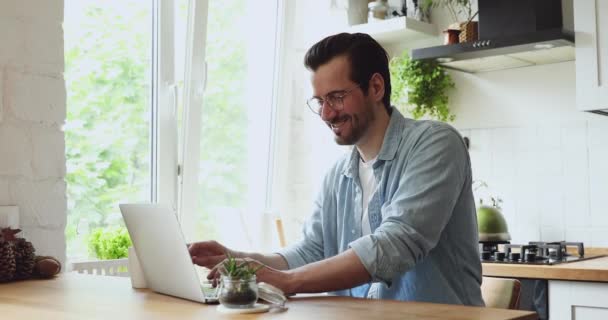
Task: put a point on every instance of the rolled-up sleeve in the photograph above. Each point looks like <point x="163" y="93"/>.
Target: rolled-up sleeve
<point x="429" y="187"/>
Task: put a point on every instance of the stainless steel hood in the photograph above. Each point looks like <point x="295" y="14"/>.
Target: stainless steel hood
<point x="541" y="47"/>
<point x="512" y="33"/>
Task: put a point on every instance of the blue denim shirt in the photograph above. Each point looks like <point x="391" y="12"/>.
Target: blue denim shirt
<point x="425" y="248"/>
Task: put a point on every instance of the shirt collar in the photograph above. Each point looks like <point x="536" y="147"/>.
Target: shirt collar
<point x="390" y="144"/>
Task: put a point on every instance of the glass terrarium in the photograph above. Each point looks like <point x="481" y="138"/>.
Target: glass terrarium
<point x="238" y="293"/>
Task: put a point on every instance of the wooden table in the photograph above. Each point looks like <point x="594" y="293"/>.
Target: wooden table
<point x="76" y="296"/>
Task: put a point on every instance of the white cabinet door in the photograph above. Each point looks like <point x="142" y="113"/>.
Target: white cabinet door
<point x="591" y="35"/>
<point x="574" y="300"/>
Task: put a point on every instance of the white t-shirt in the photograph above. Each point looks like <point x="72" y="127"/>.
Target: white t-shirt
<point x="368" y="186"/>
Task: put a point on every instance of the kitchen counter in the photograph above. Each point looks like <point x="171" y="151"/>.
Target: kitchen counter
<point x="76" y="296"/>
<point x="593" y="270"/>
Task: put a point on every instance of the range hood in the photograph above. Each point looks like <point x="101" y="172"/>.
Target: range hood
<point x="548" y="46"/>
<point x="512" y="34"/>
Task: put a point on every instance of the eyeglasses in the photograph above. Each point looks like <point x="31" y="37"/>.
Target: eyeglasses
<point x="334" y="99"/>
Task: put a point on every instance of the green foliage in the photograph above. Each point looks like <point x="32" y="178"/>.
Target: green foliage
<point x="107" y="72"/>
<point x="110" y="243"/>
<point x="238" y="271"/>
<point x="423" y="85"/>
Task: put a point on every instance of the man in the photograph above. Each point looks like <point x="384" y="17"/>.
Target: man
<point x="398" y="212"/>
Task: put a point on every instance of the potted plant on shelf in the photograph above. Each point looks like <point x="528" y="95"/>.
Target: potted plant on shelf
<point x="462" y="14"/>
<point x="238" y="287"/>
<point x="109" y="243"/>
<point x="423" y="85"/>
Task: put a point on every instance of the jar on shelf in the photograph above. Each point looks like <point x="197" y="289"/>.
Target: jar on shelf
<point x="378" y="11"/>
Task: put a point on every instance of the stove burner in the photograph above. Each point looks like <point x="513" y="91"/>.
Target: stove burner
<point x="535" y="252"/>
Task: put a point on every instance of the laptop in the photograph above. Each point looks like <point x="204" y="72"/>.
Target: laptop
<point x="163" y="253"/>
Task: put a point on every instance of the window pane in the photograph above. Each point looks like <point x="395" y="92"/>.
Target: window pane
<point x="108" y="61"/>
<point x="236" y="119"/>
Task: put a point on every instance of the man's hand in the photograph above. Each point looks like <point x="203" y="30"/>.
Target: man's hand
<point x="208" y="253"/>
<point x="277" y="278"/>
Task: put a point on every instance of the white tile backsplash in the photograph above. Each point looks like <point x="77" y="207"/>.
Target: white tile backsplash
<point x="552" y="178"/>
<point x="549" y="136"/>
<point x="551" y="234"/>
<point x="524" y="233"/>
<point x="599" y="237"/>
<point x="526" y="139"/>
<point x="549" y="162"/>
<point x="598" y="206"/>
<point x="598" y="132"/>
<point x="574" y="134"/>
<point x="579" y="234"/>
<point x="526" y="163"/>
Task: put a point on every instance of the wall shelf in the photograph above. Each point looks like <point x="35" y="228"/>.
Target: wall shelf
<point x="397" y="30"/>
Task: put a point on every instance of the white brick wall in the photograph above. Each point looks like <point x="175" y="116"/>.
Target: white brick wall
<point x="1" y="92"/>
<point x="36" y="98"/>
<point x="16" y="151"/>
<point x="32" y="111"/>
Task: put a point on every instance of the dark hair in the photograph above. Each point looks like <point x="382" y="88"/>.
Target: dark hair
<point x="366" y="57"/>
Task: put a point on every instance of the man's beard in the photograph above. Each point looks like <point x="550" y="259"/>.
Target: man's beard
<point x="359" y="124"/>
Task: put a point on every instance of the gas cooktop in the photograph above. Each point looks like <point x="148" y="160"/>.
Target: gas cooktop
<point x="535" y="252"/>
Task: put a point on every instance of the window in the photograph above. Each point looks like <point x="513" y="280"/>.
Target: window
<point x="232" y="133"/>
<point x="108" y="128"/>
<point x="157" y="87"/>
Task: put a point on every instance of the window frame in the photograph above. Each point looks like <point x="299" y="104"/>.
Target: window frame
<point x="195" y="78"/>
<point x="194" y="86"/>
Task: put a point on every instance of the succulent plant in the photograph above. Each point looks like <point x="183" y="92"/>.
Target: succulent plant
<point x="236" y="270"/>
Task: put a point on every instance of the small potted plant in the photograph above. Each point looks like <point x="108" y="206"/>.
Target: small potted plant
<point x="238" y="287"/>
<point x="462" y="14"/>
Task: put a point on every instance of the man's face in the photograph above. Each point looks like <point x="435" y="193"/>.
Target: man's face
<point x="355" y="112"/>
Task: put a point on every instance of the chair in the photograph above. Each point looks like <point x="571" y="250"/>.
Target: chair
<point x="278" y="223"/>
<point x="501" y="293"/>
<point x="115" y="267"/>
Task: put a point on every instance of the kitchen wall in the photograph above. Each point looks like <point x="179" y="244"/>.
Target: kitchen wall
<point x="545" y="159"/>
<point x="536" y="152"/>
<point x="32" y="112"/>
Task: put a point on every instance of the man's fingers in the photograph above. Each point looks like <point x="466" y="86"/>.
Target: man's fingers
<point x="206" y="248"/>
<point x="214" y="275"/>
<point x="208" y="261"/>
<point x="195" y="248"/>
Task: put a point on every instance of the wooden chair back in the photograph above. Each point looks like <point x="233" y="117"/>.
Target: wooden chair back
<point x="501" y="293"/>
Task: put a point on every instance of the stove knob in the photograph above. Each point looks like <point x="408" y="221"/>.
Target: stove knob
<point x="499" y="256"/>
<point x="485" y="255"/>
<point x="514" y="256"/>
<point x="531" y="257"/>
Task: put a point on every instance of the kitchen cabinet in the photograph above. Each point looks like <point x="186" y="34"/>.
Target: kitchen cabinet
<point x="591" y="33"/>
<point x="572" y="300"/>
<point x="577" y="290"/>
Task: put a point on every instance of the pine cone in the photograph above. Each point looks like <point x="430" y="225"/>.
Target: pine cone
<point x="7" y="261"/>
<point x="25" y="258"/>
